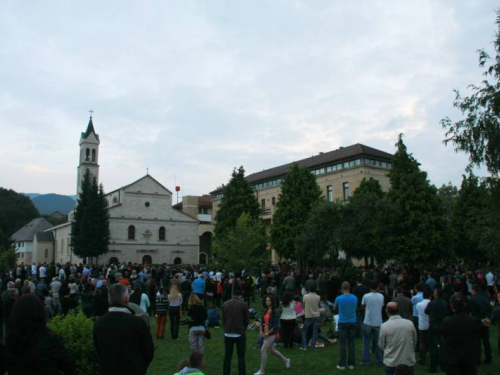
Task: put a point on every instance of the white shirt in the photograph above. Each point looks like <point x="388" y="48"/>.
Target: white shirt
<point x="43" y="272"/>
<point x="423" y="318"/>
<point x="490" y="279"/>
<point x="33" y="270"/>
<point x="374" y="303"/>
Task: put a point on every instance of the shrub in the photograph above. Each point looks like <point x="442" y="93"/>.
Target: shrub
<point x="76" y="332"/>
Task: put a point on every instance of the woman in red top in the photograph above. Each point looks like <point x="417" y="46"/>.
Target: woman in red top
<point x="268" y="331"/>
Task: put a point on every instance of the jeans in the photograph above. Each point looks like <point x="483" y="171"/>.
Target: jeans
<point x="229" y="343"/>
<point x="392" y="370"/>
<point x="307" y="323"/>
<point x="268" y="346"/>
<point x="371" y="332"/>
<point x="424" y="344"/>
<point x="174" y="314"/>
<point x="347" y="335"/>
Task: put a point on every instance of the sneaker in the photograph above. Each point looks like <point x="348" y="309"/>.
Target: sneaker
<point x="351" y="367"/>
<point x="302" y="348"/>
<point x="259" y="373"/>
<point x="288" y="363"/>
<point x="340" y="367"/>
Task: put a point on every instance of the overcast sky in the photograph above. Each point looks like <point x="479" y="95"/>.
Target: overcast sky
<point x="192" y="89"/>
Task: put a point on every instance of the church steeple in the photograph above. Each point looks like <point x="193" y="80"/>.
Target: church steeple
<point x="89" y="154"/>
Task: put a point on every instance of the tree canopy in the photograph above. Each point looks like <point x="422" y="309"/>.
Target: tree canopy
<point x="300" y="193"/>
<point x="90" y="226"/>
<point x="238" y="198"/>
<point x="478" y="134"/>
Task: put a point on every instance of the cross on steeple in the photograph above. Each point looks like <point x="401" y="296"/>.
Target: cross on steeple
<point x="147" y="170"/>
<point x="91" y="112"/>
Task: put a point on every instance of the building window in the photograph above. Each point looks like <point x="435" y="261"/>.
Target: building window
<point x="131" y="232"/>
<point x="87" y="154"/>
<point x="147" y="204"/>
<point x="329" y="193"/>
<point x="161" y="234"/>
<point x="346" y="190"/>
<point x="263" y="204"/>
<point x="273" y="201"/>
<point x="93" y="155"/>
<point x="203" y="210"/>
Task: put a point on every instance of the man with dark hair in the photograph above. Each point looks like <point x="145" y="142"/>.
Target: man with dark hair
<point x="373" y="303"/>
<point x="423" y="326"/>
<point x="123" y="341"/>
<point x="398" y="339"/>
<point x="417" y="298"/>
<point x="481" y="309"/>
<point x="437" y="310"/>
<point x="311" y="314"/>
<point x="359" y="291"/>
<point x="346" y="305"/>
<point x="404" y="304"/>
<point x="235" y="318"/>
<point x="460" y="335"/>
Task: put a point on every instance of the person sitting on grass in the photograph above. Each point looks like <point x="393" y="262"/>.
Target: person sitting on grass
<point x="191" y="366"/>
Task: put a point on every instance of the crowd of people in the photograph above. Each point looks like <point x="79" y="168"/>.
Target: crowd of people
<point x="439" y="318"/>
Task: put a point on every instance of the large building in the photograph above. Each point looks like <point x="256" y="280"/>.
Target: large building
<point x="338" y="174"/>
<point x="32" y="243"/>
<point x="143" y="225"/>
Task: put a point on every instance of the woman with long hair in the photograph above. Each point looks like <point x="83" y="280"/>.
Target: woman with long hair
<point x="31" y="348"/>
<point x="288" y="319"/>
<point x="268" y="331"/>
<point x="198" y="315"/>
<point x="175" y="311"/>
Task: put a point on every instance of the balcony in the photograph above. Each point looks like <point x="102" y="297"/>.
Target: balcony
<point x="204" y="218"/>
<point x="265" y="212"/>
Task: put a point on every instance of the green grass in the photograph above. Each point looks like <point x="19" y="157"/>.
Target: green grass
<point x="320" y="361"/>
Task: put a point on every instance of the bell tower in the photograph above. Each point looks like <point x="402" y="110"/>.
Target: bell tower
<point x="89" y="155"/>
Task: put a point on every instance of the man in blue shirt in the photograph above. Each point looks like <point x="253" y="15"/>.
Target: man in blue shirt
<point x="346" y="305"/>
<point x="417" y="298"/>
<point x="199" y="287"/>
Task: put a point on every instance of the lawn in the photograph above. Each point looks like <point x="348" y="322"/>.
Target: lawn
<point x="319" y="361"/>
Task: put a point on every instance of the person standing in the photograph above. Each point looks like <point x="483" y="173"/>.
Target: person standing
<point x="162" y="305"/>
<point x="417" y="298"/>
<point x="175" y="311"/>
<point x="398" y="340"/>
<point x="437" y="310"/>
<point x="373" y="303"/>
<point x="197" y="331"/>
<point x="404" y="304"/>
<point x="311" y="306"/>
<point x="268" y="331"/>
<point x="122" y="341"/>
<point x="481" y="309"/>
<point x="199" y="287"/>
<point x="235" y="318"/>
<point x="346" y="305"/>
<point x="460" y="335"/>
<point x="359" y="291"/>
<point x="288" y="319"/>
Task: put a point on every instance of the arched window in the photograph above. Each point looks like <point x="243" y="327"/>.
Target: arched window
<point x="146" y="259"/>
<point x="131" y="232"/>
<point x="161" y="234"/>
<point x="87" y="154"/>
<point x="177" y="260"/>
<point x="113" y="260"/>
<point x="203" y="258"/>
<point x="93" y="155"/>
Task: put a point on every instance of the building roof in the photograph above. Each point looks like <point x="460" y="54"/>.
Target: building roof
<point x="27" y="233"/>
<point x="203" y="201"/>
<point x="44" y="236"/>
<point x="143" y="177"/>
<point x="323" y="159"/>
<point x="90" y="129"/>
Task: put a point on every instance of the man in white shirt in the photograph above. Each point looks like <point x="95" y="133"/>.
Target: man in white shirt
<point x="33" y="270"/>
<point x="311" y="306"/>
<point x="423" y="326"/>
<point x="43" y="272"/>
<point x="398" y="340"/>
<point x="373" y="303"/>
<point x="490" y="281"/>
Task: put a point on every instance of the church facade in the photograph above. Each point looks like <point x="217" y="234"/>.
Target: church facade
<point x="144" y="226"/>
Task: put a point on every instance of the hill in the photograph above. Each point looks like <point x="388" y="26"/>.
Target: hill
<point x="49" y="203"/>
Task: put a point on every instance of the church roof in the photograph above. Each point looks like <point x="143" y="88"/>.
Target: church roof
<point x="27" y="233"/>
<point x="90" y="130"/>
<point x="44" y="236"/>
<point x="142" y="178"/>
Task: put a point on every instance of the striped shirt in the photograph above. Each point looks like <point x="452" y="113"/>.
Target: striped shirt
<point x="162" y="304"/>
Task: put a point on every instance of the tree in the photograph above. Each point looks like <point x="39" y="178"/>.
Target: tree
<point x="300" y="193"/>
<point x="417" y="230"/>
<point x="478" y="134"/>
<point x="90" y="226"/>
<point x="238" y="198"/>
<point x="16" y="210"/>
<point x="244" y="248"/>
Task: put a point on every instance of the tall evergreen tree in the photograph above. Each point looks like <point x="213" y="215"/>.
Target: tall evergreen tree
<point x="417" y="231"/>
<point x="300" y="193"/>
<point x="238" y="198"/>
<point x="90" y="226"/>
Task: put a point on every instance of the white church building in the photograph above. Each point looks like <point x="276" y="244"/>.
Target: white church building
<point x="144" y="227"/>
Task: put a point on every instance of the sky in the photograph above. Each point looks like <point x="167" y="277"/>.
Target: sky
<point x="193" y="89"/>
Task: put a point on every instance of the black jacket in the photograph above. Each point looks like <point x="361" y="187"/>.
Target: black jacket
<point x="123" y="343"/>
<point x="48" y="356"/>
<point x="460" y="333"/>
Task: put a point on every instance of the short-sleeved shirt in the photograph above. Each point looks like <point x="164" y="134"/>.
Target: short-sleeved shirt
<point x="199" y="286"/>
<point x="346" y="305"/>
<point x="374" y="303"/>
<point x="423" y="318"/>
<point x="419" y="297"/>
